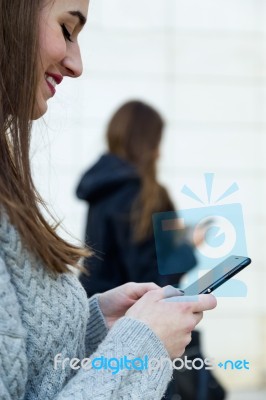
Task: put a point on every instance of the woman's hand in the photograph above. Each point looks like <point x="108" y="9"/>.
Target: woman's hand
<point x="115" y="303"/>
<point x="171" y="317"/>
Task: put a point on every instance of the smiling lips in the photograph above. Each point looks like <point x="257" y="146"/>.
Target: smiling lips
<point x="52" y="80"/>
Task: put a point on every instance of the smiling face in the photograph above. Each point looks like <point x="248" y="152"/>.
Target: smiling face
<point x="60" y="23"/>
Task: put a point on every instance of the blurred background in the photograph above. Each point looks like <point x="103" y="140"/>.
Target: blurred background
<point x="202" y="64"/>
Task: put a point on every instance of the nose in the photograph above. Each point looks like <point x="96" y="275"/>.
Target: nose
<point x="72" y="62"/>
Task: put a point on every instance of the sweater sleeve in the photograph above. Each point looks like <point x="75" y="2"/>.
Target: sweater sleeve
<point x="13" y="359"/>
<point x="96" y="326"/>
<point x="127" y="338"/>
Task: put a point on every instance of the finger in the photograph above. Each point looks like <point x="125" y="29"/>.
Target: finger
<point x="169" y="292"/>
<point x="182" y="299"/>
<point x="162" y="293"/>
<point x="198" y="317"/>
<point x="202" y="302"/>
<point x="140" y="289"/>
<point x="205" y="302"/>
<point x="194" y="321"/>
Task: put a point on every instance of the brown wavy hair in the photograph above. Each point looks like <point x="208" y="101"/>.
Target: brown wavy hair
<point x="19" y="27"/>
<point x="134" y="133"/>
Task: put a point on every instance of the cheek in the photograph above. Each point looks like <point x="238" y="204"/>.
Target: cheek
<point x="52" y="47"/>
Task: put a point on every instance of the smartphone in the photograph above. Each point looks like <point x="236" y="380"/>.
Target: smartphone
<point x="218" y="275"/>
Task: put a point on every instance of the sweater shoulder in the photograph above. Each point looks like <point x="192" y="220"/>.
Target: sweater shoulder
<point x="14" y="363"/>
<point x="10" y="321"/>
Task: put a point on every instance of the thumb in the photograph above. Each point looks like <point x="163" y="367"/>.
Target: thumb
<point x="170" y="291"/>
<point x="137" y="290"/>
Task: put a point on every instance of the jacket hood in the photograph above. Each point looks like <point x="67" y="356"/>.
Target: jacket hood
<point x="104" y="177"/>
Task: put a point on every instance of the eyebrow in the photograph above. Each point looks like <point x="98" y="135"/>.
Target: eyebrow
<point x="82" y="19"/>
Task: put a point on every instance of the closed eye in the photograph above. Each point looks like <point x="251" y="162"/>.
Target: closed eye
<point x="66" y="33"/>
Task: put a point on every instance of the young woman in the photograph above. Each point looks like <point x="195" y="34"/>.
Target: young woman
<point x="46" y="321"/>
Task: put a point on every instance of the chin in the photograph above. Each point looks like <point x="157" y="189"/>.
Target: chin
<point x="39" y="111"/>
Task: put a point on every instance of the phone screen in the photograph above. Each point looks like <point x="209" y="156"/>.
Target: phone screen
<point x="218" y="275"/>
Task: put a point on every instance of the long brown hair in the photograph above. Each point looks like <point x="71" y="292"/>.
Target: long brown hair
<point x="19" y="22"/>
<point x="134" y="133"/>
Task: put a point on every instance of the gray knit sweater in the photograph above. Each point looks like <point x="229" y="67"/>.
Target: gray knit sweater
<point x="42" y="316"/>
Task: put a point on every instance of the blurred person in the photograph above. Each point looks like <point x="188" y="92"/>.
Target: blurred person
<point x="45" y="315"/>
<point x="123" y="193"/>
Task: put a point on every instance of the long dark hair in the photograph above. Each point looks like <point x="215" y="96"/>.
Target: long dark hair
<point x="134" y="133"/>
<point x="19" y="32"/>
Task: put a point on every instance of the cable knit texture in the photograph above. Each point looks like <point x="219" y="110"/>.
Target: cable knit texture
<point x="42" y="315"/>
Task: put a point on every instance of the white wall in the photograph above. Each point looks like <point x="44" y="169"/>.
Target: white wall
<point x="202" y="64"/>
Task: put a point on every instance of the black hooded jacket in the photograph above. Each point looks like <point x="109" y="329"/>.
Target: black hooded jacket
<point x="110" y="187"/>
